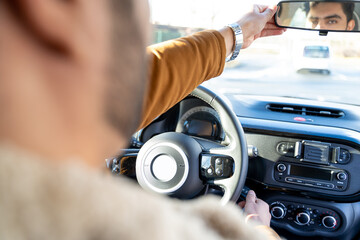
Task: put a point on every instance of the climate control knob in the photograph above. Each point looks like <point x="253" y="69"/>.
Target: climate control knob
<point x="302" y="217"/>
<point x="329" y="222"/>
<point x="277" y="212"/>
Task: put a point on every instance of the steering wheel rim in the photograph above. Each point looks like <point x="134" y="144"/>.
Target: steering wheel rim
<point x="235" y="148"/>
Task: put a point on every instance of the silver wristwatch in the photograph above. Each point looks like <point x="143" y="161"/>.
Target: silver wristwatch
<point x="239" y="40"/>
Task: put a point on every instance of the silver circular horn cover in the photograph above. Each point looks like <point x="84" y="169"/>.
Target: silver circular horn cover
<point x="169" y="164"/>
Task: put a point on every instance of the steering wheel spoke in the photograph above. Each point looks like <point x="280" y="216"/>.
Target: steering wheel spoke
<point x="125" y="163"/>
<point x="215" y="167"/>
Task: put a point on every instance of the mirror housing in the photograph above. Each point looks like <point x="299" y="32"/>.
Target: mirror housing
<point x="323" y="16"/>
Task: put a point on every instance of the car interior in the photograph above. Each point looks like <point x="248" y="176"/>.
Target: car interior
<point x="300" y="155"/>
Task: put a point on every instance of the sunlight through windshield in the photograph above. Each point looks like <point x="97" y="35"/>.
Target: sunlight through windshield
<point x="298" y="64"/>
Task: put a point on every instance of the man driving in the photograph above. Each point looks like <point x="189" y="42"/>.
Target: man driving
<point x="331" y="16"/>
<point x="73" y="76"/>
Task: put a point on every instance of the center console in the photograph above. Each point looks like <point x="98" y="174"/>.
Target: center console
<point x="307" y="184"/>
<point x="309" y="217"/>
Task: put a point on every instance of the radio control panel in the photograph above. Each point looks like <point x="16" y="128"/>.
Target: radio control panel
<point x="312" y="167"/>
<point x="313" y="164"/>
<point x="311" y="176"/>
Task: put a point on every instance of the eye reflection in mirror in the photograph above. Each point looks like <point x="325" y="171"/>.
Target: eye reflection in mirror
<point x="330" y="15"/>
<point x="319" y="15"/>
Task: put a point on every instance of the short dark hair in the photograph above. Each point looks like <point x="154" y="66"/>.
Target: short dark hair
<point x="348" y="8"/>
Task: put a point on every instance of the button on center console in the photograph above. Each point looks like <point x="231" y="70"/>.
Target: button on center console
<point x="341" y="176"/>
<point x="281" y="167"/>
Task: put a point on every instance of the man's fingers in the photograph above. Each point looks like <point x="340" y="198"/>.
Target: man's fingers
<point x="262" y="202"/>
<point x="260" y="8"/>
<point x="269" y="13"/>
<point x="274" y="8"/>
<point x="242" y="204"/>
<point x="251" y="197"/>
<point x="259" y="23"/>
<point x="267" y="33"/>
<point x="272" y="26"/>
<point x="272" y="20"/>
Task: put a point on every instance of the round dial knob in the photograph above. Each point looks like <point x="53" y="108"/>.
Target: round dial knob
<point x="341" y="176"/>
<point x="281" y="167"/>
<point x="302" y="217"/>
<point x="277" y="212"/>
<point x="329" y="222"/>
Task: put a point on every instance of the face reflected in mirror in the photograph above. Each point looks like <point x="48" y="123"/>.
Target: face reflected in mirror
<point x="319" y="15"/>
<point x="330" y="16"/>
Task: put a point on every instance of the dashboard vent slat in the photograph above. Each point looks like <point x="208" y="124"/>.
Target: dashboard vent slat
<point x="307" y="111"/>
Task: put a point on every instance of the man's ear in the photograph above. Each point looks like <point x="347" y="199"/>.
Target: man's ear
<point x="48" y="21"/>
<point x="351" y="25"/>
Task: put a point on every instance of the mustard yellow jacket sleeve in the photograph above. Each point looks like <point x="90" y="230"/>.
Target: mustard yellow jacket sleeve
<point x="177" y="67"/>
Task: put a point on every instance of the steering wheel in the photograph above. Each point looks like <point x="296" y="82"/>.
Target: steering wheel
<point x="180" y="165"/>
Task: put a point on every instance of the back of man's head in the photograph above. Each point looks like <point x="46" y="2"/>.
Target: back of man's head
<point x="72" y="74"/>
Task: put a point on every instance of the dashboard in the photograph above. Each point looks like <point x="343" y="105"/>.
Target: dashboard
<point x="307" y="163"/>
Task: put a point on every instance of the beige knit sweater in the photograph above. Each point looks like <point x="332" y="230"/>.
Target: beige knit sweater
<point x="40" y="200"/>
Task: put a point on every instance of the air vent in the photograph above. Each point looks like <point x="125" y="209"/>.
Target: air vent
<point x="308" y="111"/>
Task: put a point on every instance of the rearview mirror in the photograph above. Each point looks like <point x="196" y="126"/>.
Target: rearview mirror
<point x="322" y="16"/>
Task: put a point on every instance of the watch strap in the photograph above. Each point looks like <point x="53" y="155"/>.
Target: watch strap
<point x="239" y="40"/>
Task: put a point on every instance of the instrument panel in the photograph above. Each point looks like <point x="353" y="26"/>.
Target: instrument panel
<point x="199" y="121"/>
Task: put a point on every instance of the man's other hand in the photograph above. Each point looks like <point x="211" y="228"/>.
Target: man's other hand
<point x="256" y="209"/>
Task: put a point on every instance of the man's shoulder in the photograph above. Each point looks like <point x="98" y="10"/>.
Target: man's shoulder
<point x="40" y="199"/>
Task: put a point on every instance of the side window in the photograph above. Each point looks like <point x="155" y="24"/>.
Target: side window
<point x="162" y="33"/>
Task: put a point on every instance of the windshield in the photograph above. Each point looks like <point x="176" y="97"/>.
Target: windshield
<point x="298" y="64"/>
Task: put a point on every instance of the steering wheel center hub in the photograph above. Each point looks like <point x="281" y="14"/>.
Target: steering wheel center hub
<point x="164" y="168"/>
<point x="169" y="164"/>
